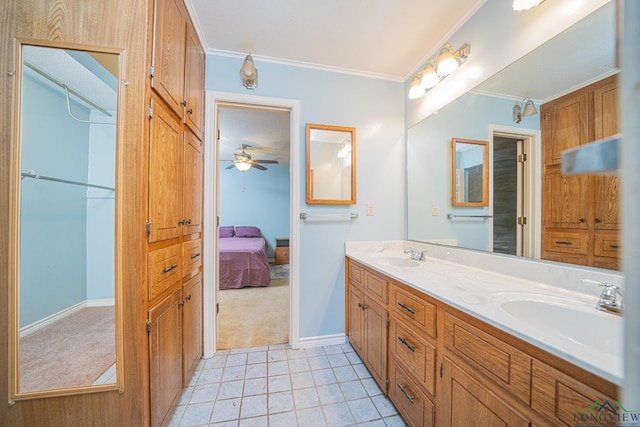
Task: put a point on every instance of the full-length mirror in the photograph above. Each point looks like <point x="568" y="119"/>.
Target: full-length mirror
<point x="331" y="165"/>
<point x="519" y="186"/>
<point x="469" y="172"/>
<point x="64" y="288"/>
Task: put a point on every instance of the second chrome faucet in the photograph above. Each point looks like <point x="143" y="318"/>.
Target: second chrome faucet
<point x="418" y="256"/>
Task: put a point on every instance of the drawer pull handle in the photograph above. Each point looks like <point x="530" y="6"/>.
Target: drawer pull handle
<point x="562" y="242"/>
<point x="406" y="343"/>
<point x="406" y="307"/>
<point x="168" y="269"/>
<point x="614" y="246"/>
<point x="194" y="256"/>
<point x="361" y="306"/>
<point x="405" y="392"/>
<point x="188" y="298"/>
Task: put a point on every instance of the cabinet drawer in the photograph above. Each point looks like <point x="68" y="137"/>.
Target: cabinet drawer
<point x="414" y="310"/>
<point x="414" y="353"/>
<point x="164" y="270"/>
<point x="376" y="285"/>
<point x="191" y="257"/>
<point x="571" y="242"/>
<point x="564" y="400"/>
<point x="356" y="273"/>
<point x="607" y="243"/>
<point x="416" y="409"/>
<point x="282" y="255"/>
<point x="506" y="366"/>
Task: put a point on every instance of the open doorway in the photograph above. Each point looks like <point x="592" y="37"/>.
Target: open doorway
<point x="254" y="223"/>
<point x="514" y="191"/>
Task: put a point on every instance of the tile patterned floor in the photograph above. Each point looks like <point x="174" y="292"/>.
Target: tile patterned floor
<point x="275" y="386"/>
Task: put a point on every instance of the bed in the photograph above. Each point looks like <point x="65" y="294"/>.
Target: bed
<point x="243" y="258"/>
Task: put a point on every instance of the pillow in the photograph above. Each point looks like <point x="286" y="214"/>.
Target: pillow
<point x="226" y="231"/>
<point x="247" y="231"/>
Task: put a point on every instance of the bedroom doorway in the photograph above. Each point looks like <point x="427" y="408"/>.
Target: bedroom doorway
<point x="254" y="220"/>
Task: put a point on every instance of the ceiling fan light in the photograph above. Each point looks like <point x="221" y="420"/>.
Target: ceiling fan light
<point x="429" y="76"/>
<point x="415" y="88"/>
<point x="446" y="62"/>
<point x="520" y="5"/>
<point x="242" y="166"/>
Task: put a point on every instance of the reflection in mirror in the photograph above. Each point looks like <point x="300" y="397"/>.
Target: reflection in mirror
<point x="581" y="55"/>
<point x="470" y="172"/>
<point x="64" y="301"/>
<point x="331" y="164"/>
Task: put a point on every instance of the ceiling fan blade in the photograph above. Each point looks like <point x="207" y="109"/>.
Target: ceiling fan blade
<point x="273" y="162"/>
<point x="231" y="166"/>
<point x="259" y="167"/>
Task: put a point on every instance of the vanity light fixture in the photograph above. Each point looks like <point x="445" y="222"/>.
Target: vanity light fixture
<point x="520" y="5"/>
<point x="249" y="73"/>
<point x="433" y="72"/>
<point x="529" y="109"/>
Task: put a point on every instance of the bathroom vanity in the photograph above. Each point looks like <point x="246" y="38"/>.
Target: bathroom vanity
<point x="453" y="344"/>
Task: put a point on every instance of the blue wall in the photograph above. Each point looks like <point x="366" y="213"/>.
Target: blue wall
<point x="259" y="198"/>
<point x="429" y="166"/>
<point x="376" y="109"/>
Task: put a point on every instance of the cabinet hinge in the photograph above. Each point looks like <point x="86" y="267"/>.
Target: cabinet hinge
<point x="522" y="158"/>
<point x="151" y="71"/>
<point x="441" y="370"/>
<point x="150" y="112"/>
<point x="388" y="323"/>
<point x="148" y="327"/>
<point x="522" y="220"/>
<point x="148" y="227"/>
<point x="386" y="385"/>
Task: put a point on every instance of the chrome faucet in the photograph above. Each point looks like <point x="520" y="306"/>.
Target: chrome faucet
<point x="609" y="299"/>
<point x="422" y="256"/>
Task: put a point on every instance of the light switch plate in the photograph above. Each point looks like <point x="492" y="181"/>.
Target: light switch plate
<point x="369" y="209"/>
<point x="435" y="211"/>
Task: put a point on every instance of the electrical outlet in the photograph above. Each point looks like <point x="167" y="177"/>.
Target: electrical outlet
<point x="369" y="209"/>
<point x="435" y="211"/>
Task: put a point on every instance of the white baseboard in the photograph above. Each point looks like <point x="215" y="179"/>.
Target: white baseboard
<point x="335" y="339"/>
<point x="36" y="326"/>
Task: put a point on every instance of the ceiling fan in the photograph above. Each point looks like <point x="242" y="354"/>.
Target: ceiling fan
<point x="244" y="161"/>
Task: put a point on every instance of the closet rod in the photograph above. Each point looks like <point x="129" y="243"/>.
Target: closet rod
<point x="32" y="174"/>
<point x="64" y="86"/>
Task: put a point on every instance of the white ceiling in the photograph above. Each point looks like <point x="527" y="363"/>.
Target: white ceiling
<point x="387" y="38"/>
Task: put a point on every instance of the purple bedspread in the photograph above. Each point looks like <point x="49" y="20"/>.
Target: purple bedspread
<point x="243" y="262"/>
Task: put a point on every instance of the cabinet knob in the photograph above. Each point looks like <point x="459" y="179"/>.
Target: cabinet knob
<point x="582" y="220"/>
<point x="188" y="221"/>
<point x="188" y="298"/>
<point x="183" y="103"/>
<point x="190" y="111"/>
<point x="182" y="222"/>
<point x="597" y="220"/>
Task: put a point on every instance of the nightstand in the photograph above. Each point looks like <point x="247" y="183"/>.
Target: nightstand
<point x="282" y="250"/>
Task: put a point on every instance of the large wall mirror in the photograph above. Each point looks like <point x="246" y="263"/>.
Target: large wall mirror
<point x="63" y="283"/>
<point x="331" y="165"/>
<point x="580" y="55"/>
<point x="469" y="172"/>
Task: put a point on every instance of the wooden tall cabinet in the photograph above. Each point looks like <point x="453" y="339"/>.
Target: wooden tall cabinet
<point x="580" y="213"/>
<point x="174" y="226"/>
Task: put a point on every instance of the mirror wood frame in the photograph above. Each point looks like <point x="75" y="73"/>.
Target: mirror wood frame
<point x="485" y="173"/>
<point x="14" y="393"/>
<point x="310" y="176"/>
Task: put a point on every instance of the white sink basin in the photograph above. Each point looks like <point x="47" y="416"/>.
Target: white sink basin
<point x="396" y="261"/>
<point x="574" y="319"/>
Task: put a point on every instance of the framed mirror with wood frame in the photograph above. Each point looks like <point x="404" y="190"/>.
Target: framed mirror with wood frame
<point x="469" y="172"/>
<point x="330" y="164"/>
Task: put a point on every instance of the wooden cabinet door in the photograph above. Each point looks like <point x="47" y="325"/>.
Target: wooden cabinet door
<point x="356" y="321"/>
<point x="566" y="202"/>
<point x="192" y="189"/>
<point x="165" y="174"/>
<point x="165" y="356"/>
<point x="564" y="126"/>
<point x="191" y="326"/>
<point x="606" y="188"/>
<point x="194" y="83"/>
<point x="169" y="53"/>
<point x="467" y="402"/>
<point x="376" y="341"/>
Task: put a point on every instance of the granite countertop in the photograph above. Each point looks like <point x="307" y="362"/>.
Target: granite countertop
<point x="483" y="292"/>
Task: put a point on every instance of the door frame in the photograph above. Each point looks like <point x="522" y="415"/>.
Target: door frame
<point x="211" y="209"/>
<point x="533" y="183"/>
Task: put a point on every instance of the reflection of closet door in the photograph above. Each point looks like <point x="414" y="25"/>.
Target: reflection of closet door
<point x="191" y="326"/>
<point x="194" y="83"/>
<point x="165" y="175"/>
<point x="192" y="184"/>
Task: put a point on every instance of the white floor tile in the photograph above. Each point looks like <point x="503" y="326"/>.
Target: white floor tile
<point x="225" y="410"/>
<point x="363" y="410"/>
<point x="306" y="398"/>
<point x="254" y="406"/>
<point x="280" y="402"/>
<point x="338" y="415"/>
<point x="312" y="417"/>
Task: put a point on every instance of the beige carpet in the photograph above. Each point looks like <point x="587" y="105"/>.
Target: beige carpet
<point x="72" y="352"/>
<point x="254" y="317"/>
